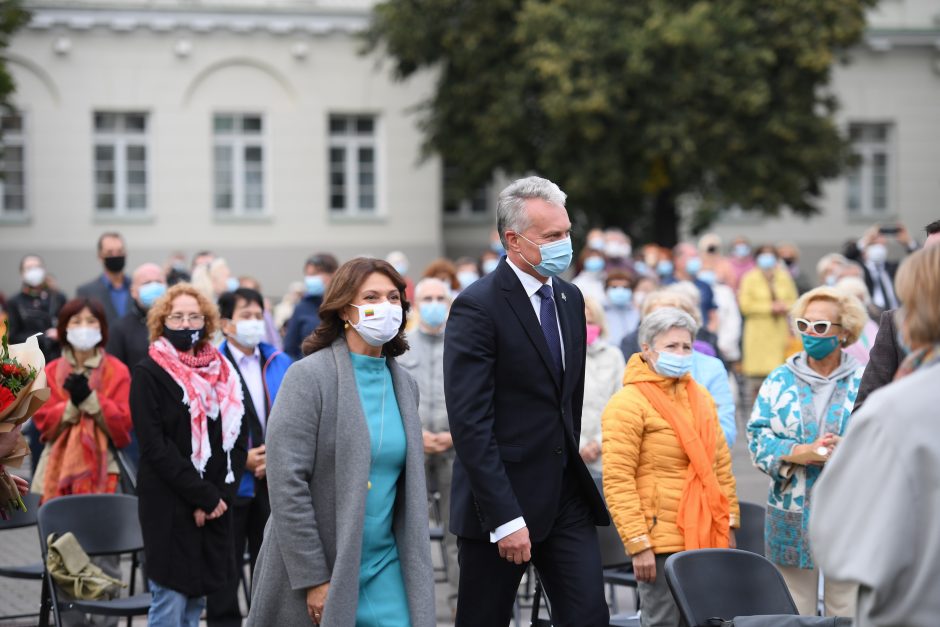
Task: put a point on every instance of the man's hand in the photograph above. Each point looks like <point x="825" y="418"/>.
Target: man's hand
<point x="644" y="566"/>
<point x="200" y="517"/>
<point x="590" y="452"/>
<point x="218" y="511"/>
<point x="445" y="440"/>
<point x="316" y="600"/>
<point x="52" y="333"/>
<point x="256" y="462"/>
<point x="430" y="442"/>
<point x="516" y="547"/>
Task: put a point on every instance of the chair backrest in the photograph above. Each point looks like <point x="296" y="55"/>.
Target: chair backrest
<point x="23" y="519"/>
<point x="613" y="553"/>
<point x="724" y="583"/>
<point x="104" y="524"/>
<point x="750" y="536"/>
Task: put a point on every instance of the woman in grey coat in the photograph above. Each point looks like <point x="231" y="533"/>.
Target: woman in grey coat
<point x="347" y="542"/>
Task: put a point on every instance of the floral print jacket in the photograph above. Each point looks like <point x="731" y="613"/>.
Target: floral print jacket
<point x="784" y="416"/>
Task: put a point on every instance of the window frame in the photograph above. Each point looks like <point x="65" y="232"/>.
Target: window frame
<point x="238" y="141"/>
<point x="21" y="140"/>
<point x="119" y="141"/>
<point x="351" y="143"/>
<point x="866" y="150"/>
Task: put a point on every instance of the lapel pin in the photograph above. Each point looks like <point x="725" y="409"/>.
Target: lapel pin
<point x="564" y="297"/>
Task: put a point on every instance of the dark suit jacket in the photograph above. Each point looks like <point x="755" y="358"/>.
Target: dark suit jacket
<point x="514" y="422"/>
<point x="884" y="358"/>
<point x="129" y="338"/>
<point x="98" y="290"/>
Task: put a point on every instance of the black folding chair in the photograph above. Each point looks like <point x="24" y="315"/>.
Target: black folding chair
<point x="724" y="583"/>
<point x="33" y="571"/>
<point x="750" y="536"/>
<point x="104" y="524"/>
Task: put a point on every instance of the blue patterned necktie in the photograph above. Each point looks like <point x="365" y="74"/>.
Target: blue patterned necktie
<point x="549" y="322"/>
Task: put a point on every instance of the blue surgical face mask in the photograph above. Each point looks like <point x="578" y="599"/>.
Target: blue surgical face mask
<point x="315" y="285"/>
<point x="466" y="278"/>
<point x="433" y="313"/>
<point x="708" y="277"/>
<point x="231" y="284"/>
<point x="820" y="347"/>
<point x="619" y="296"/>
<point x="556" y="256"/>
<point x="596" y="243"/>
<point x="641" y="267"/>
<point x="742" y="250"/>
<point x="766" y="261"/>
<point x="672" y="365"/>
<point x="150" y="292"/>
<point x="664" y="268"/>
<point x="594" y="264"/>
<point x="489" y="265"/>
<point x="693" y="266"/>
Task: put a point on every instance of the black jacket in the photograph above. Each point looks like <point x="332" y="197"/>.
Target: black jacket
<point x="35" y="311"/>
<point x="883" y="359"/>
<point x="98" y="290"/>
<point x="128" y="338"/>
<point x="181" y="556"/>
<point x="514" y="423"/>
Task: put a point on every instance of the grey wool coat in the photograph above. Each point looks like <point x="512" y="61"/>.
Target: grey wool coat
<point x="318" y="458"/>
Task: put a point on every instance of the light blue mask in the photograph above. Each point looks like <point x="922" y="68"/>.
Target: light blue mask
<point x="433" y="313"/>
<point x="619" y="296"/>
<point x="231" y="284"/>
<point x="556" y="257"/>
<point x="594" y="264"/>
<point x="707" y="276"/>
<point x="766" y="261"/>
<point x="672" y="365"/>
<point x="693" y="266"/>
<point x="742" y="250"/>
<point x="150" y="292"/>
<point x="641" y="267"/>
<point x="820" y="347"/>
<point x="314" y="285"/>
<point x="467" y="278"/>
<point x="664" y="268"/>
<point x="489" y="265"/>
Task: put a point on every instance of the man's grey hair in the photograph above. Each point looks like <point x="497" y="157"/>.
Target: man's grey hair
<point x="510" y="212"/>
<point x="430" y="281"/>
<point x="661" y="320"/>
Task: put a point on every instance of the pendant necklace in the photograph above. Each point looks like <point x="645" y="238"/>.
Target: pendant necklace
<point x="378" y="450"/>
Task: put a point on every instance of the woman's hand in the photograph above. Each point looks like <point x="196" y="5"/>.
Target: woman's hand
<point x="732" y="541"/>
<point x="809" y="454"/>
<point x="316" y="600"/>
<point x="644" y="566"/>
<point x="200" y="517"/>
<point x="590" y="452"/>
<point x="21" y="484"/>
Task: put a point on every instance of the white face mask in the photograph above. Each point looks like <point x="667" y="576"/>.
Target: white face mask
<point x="379" y="323"/>
<point x="249" y="332"/>
<point x="876" y="253"/>
<point x="34" y="276"/>
<point x="83" y="338"/>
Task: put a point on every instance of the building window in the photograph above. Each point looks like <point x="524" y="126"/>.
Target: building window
<point x="12" y="167"/>
<point x="121" y="175"/>
<point x="474" y="208"/>
<point x="869" y="181"/>
<point x="238" y="155"/>
<point x="353" y="161"/>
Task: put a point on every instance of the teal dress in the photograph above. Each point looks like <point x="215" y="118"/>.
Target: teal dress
<point x="382" y="598"/>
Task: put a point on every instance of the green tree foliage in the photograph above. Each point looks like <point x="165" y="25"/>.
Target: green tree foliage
<point x="631" y="105"/>
<point x="12" y="17"/>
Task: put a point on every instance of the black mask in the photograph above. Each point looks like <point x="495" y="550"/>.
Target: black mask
<point x="183" y="339"/>
<point x="115" y="264"/>
<point x="790" y="261"/>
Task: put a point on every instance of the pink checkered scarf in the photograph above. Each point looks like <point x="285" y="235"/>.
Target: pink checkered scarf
<point x="209" y="388"/>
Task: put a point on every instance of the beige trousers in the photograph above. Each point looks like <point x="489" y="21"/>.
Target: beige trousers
<point x="839" y="597"/>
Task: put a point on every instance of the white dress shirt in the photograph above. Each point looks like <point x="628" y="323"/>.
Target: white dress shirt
<point x="531" y="285"/>
<point x="250" y="368"/>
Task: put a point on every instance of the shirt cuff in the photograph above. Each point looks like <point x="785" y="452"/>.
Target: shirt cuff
<point x="505" y="529"/>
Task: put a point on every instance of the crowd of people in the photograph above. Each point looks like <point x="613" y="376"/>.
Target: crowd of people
<point x="316" y="432"/>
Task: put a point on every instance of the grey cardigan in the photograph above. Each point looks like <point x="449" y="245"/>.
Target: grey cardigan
<point x="318" y="457"/>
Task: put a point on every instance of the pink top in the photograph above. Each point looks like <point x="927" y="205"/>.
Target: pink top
<point x="860" y="349"/>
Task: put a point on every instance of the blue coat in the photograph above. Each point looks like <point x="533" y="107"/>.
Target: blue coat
<point x="305" y="320"/>
<point x="274" y="365"/>
<point x="711" y="373"/>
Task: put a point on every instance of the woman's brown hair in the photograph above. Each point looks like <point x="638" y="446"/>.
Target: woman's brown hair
<point x="156" y="317"/>
<point x="343" y="289"/>
<point x="917" y="285"/>
<point x="440" y="268"/>
<point x="75" y="307"/>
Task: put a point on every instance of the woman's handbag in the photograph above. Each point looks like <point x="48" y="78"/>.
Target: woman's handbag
<point x="74" y="573"/>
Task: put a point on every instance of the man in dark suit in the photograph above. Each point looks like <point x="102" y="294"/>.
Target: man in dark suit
<point x="886" y="355"/>
<point x="112" y="288"/>
<point x="514" y="382"/>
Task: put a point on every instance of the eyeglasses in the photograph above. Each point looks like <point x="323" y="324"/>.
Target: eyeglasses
<point x="197" y="320"/>
<point x="819" y="327"/>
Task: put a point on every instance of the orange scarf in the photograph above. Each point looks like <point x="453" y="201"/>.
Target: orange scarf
<point x="704" y="512"/>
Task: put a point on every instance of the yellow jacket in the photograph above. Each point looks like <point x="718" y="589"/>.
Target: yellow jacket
<point x="645" y="465"/>
<point x="766" y="336"/>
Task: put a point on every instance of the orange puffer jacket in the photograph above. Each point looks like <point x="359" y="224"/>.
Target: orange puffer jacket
<point x="645" y="465"/>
